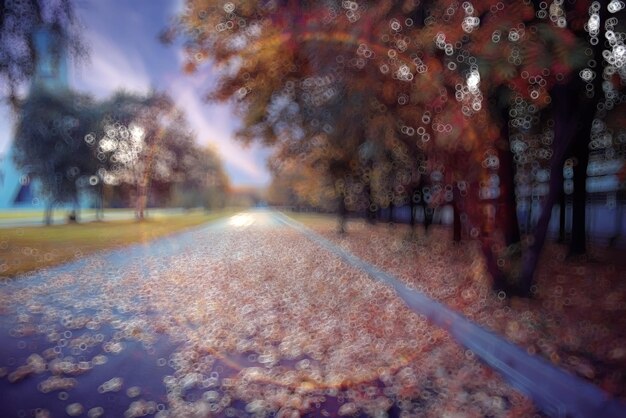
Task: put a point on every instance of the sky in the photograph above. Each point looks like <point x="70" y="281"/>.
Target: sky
<point x="125" y="53"/>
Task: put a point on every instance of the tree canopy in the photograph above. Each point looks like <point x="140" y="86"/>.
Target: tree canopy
<point x="49" y="143"/>
<point x="140" y="145"/>
<point x="376" y="104"/>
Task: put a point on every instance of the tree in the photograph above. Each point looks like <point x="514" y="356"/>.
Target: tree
<point x="201" y="181"/>
<point x="299" y="184"/>
<point x="134" y="143"/>
<point x="144" y="144"/>
<point x="599" y="84"/>
<point x="472" y="76"/>
<point x="533" y="55"/>
<point x="314" y="88"/>
<point x="50" y="145"/>
<point x="580" y="99"/>
<point x="19" y="22"/>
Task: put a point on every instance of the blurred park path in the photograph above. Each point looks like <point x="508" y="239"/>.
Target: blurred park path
<point x="248" y="315"/>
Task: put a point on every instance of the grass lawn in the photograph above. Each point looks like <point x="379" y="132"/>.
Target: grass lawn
<point x="313" y="219"/>
<point x="21" y="214"/>
<point x="31" y="248"/>
<point x="61" y="213"/>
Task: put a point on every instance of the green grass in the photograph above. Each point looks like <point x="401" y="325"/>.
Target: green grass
<point x="313" y="219"/>
<point x="32" y="248"/>
<point x="21" y="214"/>
<point x="58" y="213"/>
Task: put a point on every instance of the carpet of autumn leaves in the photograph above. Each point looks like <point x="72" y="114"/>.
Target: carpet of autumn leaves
<point x="577" y="318"/>
<point x="261" y="321"/>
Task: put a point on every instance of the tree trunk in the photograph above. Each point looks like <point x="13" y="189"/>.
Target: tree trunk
<point x="618" y="222"/>
<point x="73" y="216"/>
<point x="530" y="257"/>
<point x="76" y="209"/>
<point x="529" y="216"/>
<point x="500" y="282"/>
<point x="412" y="205"/>
<point x="507" y="202"/>
<point x="456" y="221"/>
<point x="47" y="216"/>
<point x="564" y="130"/>
<point x="520" y="281"/>
<point x="140" y="203"/>
<point x="343" y="213"/>
<point x="562" y="216"/>
<point x="428" y="218"/>
<point x="578" y="244"/>
<point x="580" y="146"/>
<point x="506" y="206"/>
<point x="370" y="214"/>
<point x="100" y="208"/>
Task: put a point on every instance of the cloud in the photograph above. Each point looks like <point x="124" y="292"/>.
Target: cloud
<point x="125" y="54"/>
<point x="111" y="68"/>
<point x="215" y="125"/>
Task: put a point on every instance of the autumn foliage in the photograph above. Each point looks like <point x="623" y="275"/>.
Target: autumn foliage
<point x="374" y="105"/>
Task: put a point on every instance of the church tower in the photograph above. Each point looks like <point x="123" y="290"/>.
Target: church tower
<point x="51" y="59"/>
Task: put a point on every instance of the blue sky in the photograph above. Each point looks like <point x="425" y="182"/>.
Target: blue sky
<point x="125" y="53"/>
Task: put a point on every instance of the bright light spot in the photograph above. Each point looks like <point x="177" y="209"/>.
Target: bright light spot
<point x="137" y="133"/>
<point x="615" y="6"/>
<point x="587" y="74"/>
<point x="470" y="23"/>
<point x="593" y="25"/>
<point x="473" y="81"/>
<point x="241" y="220"/>
<point x="107" y="144"/>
